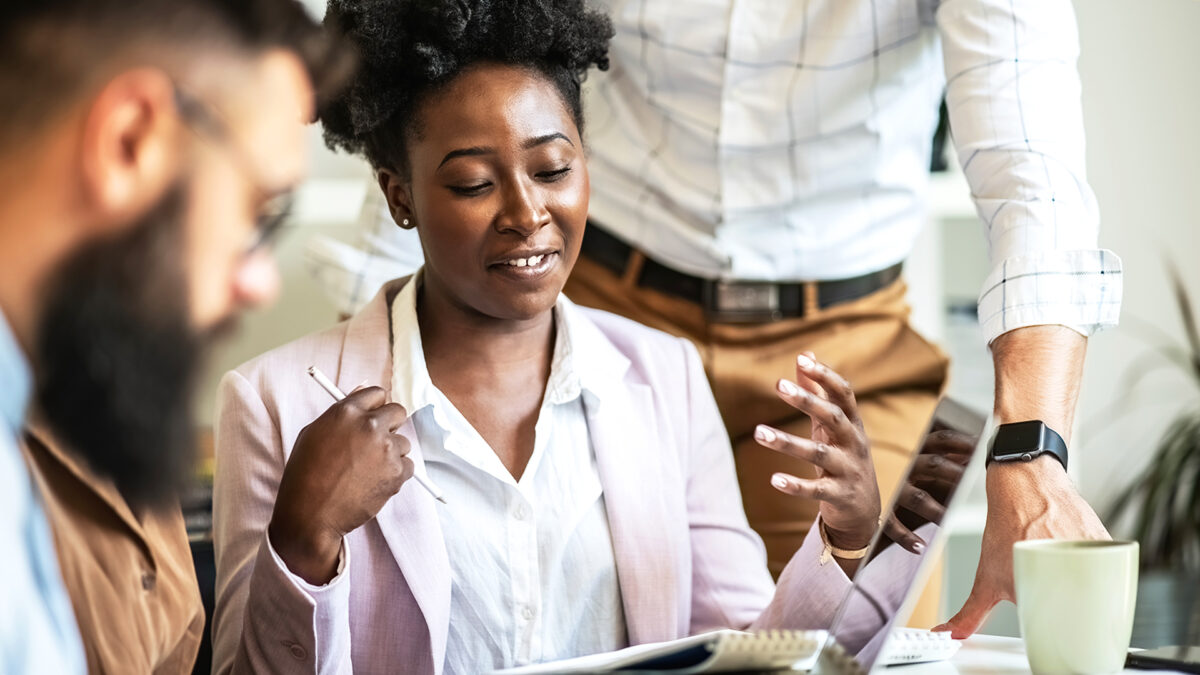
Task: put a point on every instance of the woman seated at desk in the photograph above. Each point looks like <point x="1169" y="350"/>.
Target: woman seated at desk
<point x="591" y="500"/>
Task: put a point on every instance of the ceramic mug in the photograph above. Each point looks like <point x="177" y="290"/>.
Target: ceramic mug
<point x="1075" y="601"/>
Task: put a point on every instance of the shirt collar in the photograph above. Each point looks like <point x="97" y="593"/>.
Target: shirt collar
<point x="17" y="378"/>
<point x="597" y="371"/>
<point x="595" y="364"/>
<point x="411" y="386"/>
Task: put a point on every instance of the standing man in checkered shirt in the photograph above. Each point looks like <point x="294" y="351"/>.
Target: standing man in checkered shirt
<point x="759" y="172"/>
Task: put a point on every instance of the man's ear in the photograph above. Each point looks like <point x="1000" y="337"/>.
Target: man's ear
<point x="129" y="147"/>
<point x="399" y="198"/>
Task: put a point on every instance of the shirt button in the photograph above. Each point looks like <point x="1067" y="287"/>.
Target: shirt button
<point x="527" y="613"/>
<point x="148" y="581"/>
<point x="297" y="650"/>
<point x="520" y="513"/>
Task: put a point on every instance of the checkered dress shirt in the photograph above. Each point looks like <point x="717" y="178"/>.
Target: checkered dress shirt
<point x="789" y="141"/>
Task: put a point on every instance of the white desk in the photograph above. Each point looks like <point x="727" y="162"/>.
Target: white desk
<point x="981" y="655"/>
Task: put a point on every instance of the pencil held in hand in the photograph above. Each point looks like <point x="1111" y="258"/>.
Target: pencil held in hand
<point x="337" y="395"/>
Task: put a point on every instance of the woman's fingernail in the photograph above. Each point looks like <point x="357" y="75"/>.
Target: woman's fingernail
<point x="788" y="388"/>
<point x="918" y="548"/>
<point x="804" y="362"/>
<point x="764" y="433"/>
<point x="780" y="482"/>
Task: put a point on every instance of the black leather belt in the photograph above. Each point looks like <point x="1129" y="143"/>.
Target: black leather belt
<point x="731" y="301"/>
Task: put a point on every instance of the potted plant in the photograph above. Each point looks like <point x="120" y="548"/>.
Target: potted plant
<point x="1162" y="503"/>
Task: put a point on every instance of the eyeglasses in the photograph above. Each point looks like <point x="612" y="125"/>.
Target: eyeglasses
<point x="277" y="210"/>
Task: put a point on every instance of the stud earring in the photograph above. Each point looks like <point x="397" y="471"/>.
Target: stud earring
<point x="405" y="222"/>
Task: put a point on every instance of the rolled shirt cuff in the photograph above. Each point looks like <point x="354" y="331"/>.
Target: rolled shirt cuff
<point x="1078" y="289"/>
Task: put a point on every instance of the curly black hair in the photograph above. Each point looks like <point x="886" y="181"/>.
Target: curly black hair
<point x="408" y="49"/>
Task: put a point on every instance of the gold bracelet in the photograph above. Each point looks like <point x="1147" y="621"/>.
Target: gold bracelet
<point x="830" y="551"/>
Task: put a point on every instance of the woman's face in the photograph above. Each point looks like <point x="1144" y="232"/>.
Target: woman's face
<point x="498" y="192"/>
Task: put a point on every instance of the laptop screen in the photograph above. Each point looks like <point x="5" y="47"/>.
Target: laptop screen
<point x="893" y="572"/>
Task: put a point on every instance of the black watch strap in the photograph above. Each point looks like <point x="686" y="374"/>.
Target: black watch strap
<point x="1026" y="441"/>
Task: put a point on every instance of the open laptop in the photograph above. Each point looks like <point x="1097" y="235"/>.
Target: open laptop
<point x="884" y="590"/>
<point x="882" y="595"/>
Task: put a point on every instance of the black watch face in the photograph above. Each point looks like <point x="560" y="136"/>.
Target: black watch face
<point x="1014" y="440"/>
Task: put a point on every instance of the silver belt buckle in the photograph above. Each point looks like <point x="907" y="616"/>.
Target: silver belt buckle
<point x="742" y="302"/>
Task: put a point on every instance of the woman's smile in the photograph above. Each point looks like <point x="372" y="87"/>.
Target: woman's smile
<point x="525" y="268"/>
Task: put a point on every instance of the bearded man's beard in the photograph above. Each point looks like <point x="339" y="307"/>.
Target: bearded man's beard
<point x="117" y="357"/>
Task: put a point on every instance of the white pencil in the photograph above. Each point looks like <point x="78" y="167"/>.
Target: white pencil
<point x="337" y="394"/>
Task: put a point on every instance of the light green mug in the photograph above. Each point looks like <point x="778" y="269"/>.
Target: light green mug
<point x="1075" y="601"/>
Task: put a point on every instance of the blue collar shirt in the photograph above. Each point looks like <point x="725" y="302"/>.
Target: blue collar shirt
<point x="38" y="633"/>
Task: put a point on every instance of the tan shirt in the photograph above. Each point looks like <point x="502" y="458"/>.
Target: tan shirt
<point x="129" y="575"/>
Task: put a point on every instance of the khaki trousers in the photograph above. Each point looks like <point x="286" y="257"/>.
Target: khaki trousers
<point x="896" y="374"/>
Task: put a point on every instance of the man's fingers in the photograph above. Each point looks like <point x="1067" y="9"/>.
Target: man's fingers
<point x="897" y="532"/>
<point x="819" y="454"/>
<point x="821" y="411"/>
<point x="974" y="612"/>
<point x="835" y="386"/>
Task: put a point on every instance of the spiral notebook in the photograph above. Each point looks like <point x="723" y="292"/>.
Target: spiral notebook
<point x="716" y="652"/>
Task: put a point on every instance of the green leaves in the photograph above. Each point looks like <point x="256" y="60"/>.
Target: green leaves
<point x="1166" y="496"/>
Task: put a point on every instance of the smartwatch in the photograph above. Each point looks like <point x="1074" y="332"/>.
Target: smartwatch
<point x="1026" y="441"/>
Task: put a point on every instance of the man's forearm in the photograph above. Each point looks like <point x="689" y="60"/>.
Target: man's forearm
<point x="1038" y="371"/>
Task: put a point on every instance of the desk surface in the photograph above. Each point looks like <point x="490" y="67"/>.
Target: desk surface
<point x="981" y="655"/>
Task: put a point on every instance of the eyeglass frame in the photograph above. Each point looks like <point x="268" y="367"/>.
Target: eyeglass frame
<point x="206" y="122"/>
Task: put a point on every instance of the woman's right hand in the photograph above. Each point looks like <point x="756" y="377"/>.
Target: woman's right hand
<point x="344" y="467"/>
<point x="845" y="484"/>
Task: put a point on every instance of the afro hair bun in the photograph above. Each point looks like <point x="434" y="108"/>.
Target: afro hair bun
<point x="408" y="48"/>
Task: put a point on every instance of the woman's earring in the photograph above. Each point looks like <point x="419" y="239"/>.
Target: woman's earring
<point x="406" y="224"/>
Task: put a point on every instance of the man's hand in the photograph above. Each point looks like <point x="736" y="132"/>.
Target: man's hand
<point x="1038" y="370"/>
<point x="345" y="466"/>
<point x="1034" y="500"/>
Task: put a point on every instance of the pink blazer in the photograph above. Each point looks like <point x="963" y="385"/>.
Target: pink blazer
<point x="686" y="559"/>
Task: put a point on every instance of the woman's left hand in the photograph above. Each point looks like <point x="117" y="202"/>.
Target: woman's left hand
<point x="845" y="484"/>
